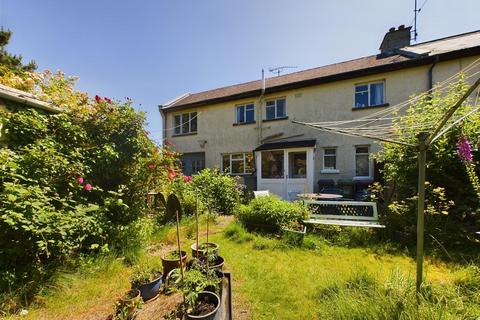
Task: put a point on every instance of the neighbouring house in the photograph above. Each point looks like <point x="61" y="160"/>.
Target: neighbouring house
<point x="12" y="99"/>
<point x="246" y="128"/>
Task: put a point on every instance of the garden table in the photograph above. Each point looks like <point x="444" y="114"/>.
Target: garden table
<point x="320" y="196"/>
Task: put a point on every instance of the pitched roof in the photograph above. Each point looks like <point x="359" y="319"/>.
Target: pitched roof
<point x="419" y="54"/>
<point x="26" y="98"/>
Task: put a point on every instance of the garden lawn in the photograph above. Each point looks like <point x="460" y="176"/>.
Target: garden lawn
<point x="273" y="280"/>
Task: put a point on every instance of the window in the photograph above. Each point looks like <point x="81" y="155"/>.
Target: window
<point x="237" y="163"/>
<point x="297" y="165"/>
<point x="275" y="109"/>
<point x="245" y="113"/>
<point x="369" y="94"/>
<point x="330" y="159"/>
<point x="185" y="123"/>
<point x="362" y="162"/>
<point x="197" y="165"/>
<point x="272" y="164"/>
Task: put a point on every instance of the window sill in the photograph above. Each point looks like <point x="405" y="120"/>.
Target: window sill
<point x="184" y="134"/>
<point x="371" y="107"/>
<point x="243" y="123"/>
<point x="329" y="171"/>
<point x="362" y="178"/>
<point x="276" y="119"/>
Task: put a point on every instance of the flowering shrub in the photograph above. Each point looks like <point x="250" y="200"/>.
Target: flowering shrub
<point x="443" y="168"/>
<point x="76" y="181"/>
<point x="465" y="153"/>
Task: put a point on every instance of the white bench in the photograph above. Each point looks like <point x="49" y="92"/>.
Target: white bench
<point x="344" y="213"/>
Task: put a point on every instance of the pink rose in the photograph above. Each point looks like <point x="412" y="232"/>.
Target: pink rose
<point x="88" y="187"/>
<point x="187" y="179"/>
<point x="80" y="180"/>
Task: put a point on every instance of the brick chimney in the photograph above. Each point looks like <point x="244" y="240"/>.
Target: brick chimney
<point x="395" y="39"/>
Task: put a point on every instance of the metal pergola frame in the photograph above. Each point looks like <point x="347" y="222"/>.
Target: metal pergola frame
<point x="425" y="140"/>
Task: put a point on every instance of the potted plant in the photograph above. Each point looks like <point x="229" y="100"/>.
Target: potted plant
<point x="171" y="261"/>
<point x="204" y="248"/>
<point x="205" y="306"/>
<point x="294" y="232"/>
<point x="199" y="304"/>
<point x="147" y="280"/>
<point x="126" y="307"/>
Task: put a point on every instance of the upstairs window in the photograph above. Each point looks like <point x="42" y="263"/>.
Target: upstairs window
<point x="245" y="113"/>
<point x="276" y="109"/>
<point x="369" y="94"/>
<point x="237" y="163"/>
<point x="185" y="123"/>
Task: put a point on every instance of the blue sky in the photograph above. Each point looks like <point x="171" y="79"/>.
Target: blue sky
<point x="154" y="50"/>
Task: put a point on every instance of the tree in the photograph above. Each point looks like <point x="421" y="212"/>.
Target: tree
<point x="10" y="61"/>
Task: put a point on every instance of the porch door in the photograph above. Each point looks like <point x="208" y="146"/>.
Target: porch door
<point x="285" y="172"/>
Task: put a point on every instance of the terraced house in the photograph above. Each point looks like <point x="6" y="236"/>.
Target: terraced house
<point x="246" y="129"/>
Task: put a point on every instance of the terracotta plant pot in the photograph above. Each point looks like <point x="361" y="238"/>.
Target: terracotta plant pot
<point x="212" y="247"/>
<point x="150" y="290"/>
<point x="211" y="298"/>
<point x="170" y="264"/>
<point x="130" y="301"/>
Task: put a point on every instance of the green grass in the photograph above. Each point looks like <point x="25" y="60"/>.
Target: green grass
<point x="321" y="281"/>
<point x="274" y="279"/>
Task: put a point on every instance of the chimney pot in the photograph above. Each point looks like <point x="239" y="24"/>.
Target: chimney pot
<point x="391" y="29"/>
<point x="401" y="27"/>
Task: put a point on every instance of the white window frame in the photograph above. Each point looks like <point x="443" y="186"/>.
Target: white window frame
<point x="244" y="159"/>
<point x="183" y="121"/>
<point x="368" y="160"/>
<point x="328" y="169"/>
<point x="275" y="100"/>
<point x="244" y="105"/>
<point x="368" y="84"/>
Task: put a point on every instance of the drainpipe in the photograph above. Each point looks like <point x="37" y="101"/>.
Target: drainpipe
<point x="430" y="74"/>
<point x="164" y="122"/>
<point x="260" y="109"/>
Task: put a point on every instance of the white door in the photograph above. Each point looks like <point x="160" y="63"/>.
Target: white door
<point x="285" y="172"/>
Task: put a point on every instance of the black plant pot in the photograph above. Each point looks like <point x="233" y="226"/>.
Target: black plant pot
<point x="211" y="298"/>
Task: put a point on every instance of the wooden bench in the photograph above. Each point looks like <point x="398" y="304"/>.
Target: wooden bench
<point x="344" y="213"/>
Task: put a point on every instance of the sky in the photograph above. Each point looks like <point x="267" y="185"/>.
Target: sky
<point x="155" y="50"/>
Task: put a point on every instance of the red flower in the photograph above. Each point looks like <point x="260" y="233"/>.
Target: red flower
<point x="97" y="98"/>
<point x="88" y="187"/>
<point x="80" y="180"/>
<point x="187" y="179"/>
<point x="171" y="174"/>
<point x="108" y="100"/>
<point x="168" y="143"/>
<point x="151" y="165"/>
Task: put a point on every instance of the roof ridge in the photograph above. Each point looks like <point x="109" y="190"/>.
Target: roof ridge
<point x="444" y="38"/>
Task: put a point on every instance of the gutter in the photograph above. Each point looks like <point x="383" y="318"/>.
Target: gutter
<point x="30" y="102"/>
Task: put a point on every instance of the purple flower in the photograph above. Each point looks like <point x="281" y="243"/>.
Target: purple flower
<point x="464" y="149"/>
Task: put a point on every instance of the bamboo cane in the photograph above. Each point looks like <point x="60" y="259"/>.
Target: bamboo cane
<point x="178" y="242"/>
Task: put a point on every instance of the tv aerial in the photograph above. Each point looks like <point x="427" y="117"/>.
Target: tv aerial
<point x="279" y="70"/>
